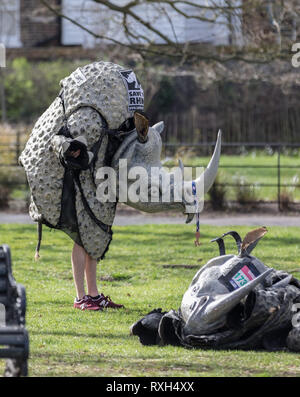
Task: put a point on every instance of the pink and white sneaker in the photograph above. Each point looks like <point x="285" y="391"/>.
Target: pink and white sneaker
<point x="104" y="302"/>
<point x="86" y="303"/>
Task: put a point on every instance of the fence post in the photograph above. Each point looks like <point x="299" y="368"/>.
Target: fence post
<point x="278" y="179"/>
<point x="17" y="147"/>
<point x="2" y="315"/>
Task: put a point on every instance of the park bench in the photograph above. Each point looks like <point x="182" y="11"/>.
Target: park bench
<point x="14" y="341"/>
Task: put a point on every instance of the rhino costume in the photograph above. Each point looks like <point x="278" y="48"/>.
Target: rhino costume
<point x="99" y="111"/>
<point x="93" y="112"/>
<point x="233" y="302"/>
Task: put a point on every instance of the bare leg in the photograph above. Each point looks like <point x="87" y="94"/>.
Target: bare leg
<point x="78" y="259"/>
<point x="91" y="275"/>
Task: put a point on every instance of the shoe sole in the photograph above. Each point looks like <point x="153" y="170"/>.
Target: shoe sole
<point x="96" y="309"/>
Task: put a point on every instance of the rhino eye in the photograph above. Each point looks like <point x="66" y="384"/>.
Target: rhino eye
<point x="203" y="300"/>
<point x="154" y="190"/>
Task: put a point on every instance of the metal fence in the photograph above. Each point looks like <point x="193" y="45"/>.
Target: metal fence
<point x="15" y="148"/>
<point x="278" y="148"/>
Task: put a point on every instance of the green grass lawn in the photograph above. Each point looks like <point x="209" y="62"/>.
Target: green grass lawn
<point x="68" y="342"/>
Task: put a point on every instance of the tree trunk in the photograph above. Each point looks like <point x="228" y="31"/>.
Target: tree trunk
<point x="2" y="97"/>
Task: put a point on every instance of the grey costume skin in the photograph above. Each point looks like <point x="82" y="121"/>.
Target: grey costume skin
<point x="93" y="102"/>
<point x="233" y="302"/>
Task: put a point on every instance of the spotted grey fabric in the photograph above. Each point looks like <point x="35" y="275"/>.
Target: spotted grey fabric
<point x="93" y="96"/>
<point x="102" y="88"/>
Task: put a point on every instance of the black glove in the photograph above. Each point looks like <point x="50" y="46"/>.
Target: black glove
<point x="82" y="161"/>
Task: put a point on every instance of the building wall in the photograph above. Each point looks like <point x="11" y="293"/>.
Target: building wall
<point x="39" y="26"/>
<point x="10" y="23"/>
<point x="27" y="23"/>
<point x="168" y="21"/>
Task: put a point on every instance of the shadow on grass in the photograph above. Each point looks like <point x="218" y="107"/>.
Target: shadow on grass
<point x="80" y="335"/>
<point x="173" y="233"/>
<point x="69" y="309"/>
<point x="143" y="364"/>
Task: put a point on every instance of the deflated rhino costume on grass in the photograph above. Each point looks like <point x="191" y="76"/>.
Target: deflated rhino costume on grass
<point x="99" y="111"/>
<point x="233" y="302"/>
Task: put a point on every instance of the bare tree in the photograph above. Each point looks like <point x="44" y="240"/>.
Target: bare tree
<point x="247" y="23"/>
<point x="273" y="22"/>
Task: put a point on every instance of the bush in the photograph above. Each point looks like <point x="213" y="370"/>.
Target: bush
<point x="245" y="193"/>
<point x="30" y="87"/>
<point x="4" y="196"/>
<point x="217" y="195"/>
<point x="13" y="188"/>
<point x="286" y="200"/>
<point x="12" y="176"/>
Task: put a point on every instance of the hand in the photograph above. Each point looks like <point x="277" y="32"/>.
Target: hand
<point x="75" y="154"/>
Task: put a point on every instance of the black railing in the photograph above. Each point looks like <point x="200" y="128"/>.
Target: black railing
<point x="278" y="147"/>
<point x="16" y="147"/>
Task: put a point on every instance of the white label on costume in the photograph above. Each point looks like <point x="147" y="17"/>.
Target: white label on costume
<point x="78" y="77"/>
<point x="134" y="89"/>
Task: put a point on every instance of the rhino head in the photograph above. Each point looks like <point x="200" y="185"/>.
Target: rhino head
<point x="222" y="284"/>
<point x="141" y="150"/>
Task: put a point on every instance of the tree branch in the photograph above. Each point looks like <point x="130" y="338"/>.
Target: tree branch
<point x="171" y="48"/>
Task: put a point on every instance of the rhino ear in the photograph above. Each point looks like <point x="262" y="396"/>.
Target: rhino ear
<point x="159" y="127"/>
<point x="142" y="126"/>
<point x="251" y="240"/>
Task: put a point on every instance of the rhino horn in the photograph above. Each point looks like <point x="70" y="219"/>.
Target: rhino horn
<point x="209" y="175"/>
<point x="205" y="181"/>
<point x="159" y="127"/>
<point x="222" y="306"/>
